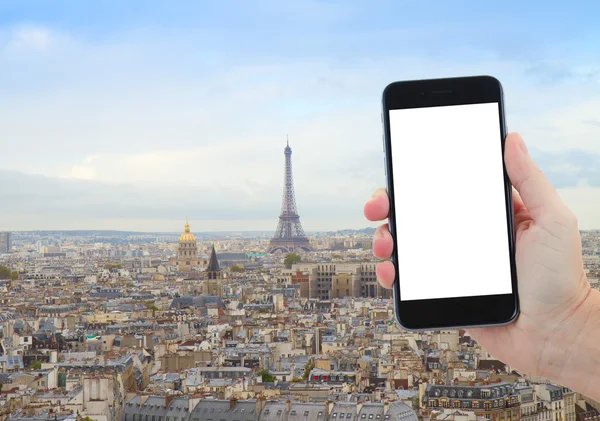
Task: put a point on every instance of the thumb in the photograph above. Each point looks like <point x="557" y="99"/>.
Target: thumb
<point x="539" y="196"/>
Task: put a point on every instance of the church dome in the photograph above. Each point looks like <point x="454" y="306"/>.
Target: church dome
<point x="187" y="236"/>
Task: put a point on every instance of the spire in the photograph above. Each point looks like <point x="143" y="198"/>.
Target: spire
<point x="187" y="225"/>
<point x="288" y="139"/>
<point x="213" y="263"/>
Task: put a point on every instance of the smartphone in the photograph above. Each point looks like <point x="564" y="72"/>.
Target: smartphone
<point x="451" y="212"/>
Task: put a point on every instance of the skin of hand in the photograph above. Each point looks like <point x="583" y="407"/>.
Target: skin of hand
<point x="557" y="334"/>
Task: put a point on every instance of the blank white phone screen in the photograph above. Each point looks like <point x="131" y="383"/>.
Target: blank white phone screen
<point x="451" y="218"/>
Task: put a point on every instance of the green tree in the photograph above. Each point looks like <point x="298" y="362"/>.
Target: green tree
<point x="237" y="268"/>
<point x="113" y="266"/>
<point x="336" y="256"/>
<point x="291" y="259"/>
<point x="36" y="365"/>
<point x="14" y="276"/>
<point x="309" y="367"/>
<point x="266" y="376"/>
<point x="129" y="284"/>
<point x="150" y="306"/>
<point x="4" y="272"/>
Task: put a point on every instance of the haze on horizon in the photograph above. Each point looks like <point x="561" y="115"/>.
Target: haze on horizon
<point x="132" y="117"/>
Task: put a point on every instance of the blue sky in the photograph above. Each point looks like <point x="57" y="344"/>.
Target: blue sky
<point x="133" y="115"/>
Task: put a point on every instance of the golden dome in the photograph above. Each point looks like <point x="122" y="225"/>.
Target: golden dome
<point x="187" y="236"/>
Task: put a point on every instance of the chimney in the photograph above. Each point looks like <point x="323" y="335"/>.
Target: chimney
<point x="260" y="404"/>
<point x="329" y="406"/>
<point x="359" y="406"/>
<point x="288" y="405"/>
<point x="232" y="403"/>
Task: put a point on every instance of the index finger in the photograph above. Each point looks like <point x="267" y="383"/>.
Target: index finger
<point x="378" y="207"/>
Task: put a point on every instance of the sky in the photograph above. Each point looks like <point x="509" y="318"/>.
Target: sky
<point x="135" y="115"/>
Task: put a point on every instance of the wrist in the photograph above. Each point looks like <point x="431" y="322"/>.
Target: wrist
<point x="572" y="352"/>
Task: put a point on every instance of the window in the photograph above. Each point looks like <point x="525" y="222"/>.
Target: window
<point x="306" y="413"/>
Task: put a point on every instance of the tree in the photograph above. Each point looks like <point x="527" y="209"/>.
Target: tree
<point x="291" y="259"/>
<point x="14" y="276"/>
<point x="336" y="256"/>
<point x="309" y="367"/>
<point x="36" y="365"/>
<point x="266" y="376"/>
<point x="4" y="272"/>
<point x="150" y="306"/>
<point x="113" y="266"/>
<point x="237" y="268"/>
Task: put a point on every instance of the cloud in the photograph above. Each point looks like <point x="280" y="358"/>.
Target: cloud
<point x="142" y="128"/>
<point x="592" y="122"/>
<point x="570" y="168"/>
<point x="30" y="38"/>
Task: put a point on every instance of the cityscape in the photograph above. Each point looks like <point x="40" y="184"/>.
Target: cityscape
<point x="167" y="326"/>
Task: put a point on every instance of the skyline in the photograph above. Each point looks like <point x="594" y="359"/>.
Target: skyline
<point x="130" y="117"/>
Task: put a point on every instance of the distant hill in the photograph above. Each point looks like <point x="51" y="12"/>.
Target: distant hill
<point x="206" y="234"/>
<point x="362" y="231"/>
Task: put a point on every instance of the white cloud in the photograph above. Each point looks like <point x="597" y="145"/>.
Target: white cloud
<point x="83" y="173"/>
<point x="30" y="38"/>
<point x="150" y="125"/>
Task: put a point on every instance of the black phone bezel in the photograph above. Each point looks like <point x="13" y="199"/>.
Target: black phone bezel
<point x="461" y="312"/>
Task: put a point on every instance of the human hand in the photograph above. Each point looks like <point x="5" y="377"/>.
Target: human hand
<point x="555" y="297"/>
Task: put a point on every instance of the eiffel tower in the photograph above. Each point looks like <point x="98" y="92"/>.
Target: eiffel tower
<point x="289" y="236"/>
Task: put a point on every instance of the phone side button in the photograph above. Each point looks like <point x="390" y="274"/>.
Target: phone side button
<point x="384" y="167"/>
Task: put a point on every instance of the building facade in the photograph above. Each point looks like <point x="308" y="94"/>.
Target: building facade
<point x="496" y="402"/>
<point x="181" y="408"/>
<point x="187" y="252"/>
<point x="213" y="277"/>
<point x="338" y="280"/>
<point x="5" y="242"/>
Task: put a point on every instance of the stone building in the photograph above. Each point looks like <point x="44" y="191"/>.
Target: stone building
<point x="145" y="408"/>
<point x="338" y="280"/>
<point x="213" y="277"/>
<point x="495" y="401"/>
<point x="187" y="252"/>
